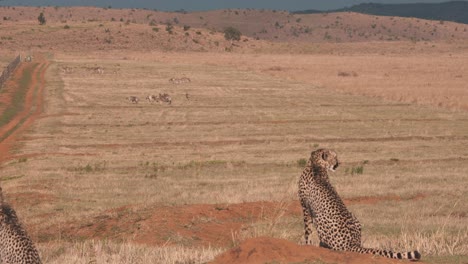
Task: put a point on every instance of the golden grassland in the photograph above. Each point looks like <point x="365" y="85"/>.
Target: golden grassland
<point x="240" y="137"/>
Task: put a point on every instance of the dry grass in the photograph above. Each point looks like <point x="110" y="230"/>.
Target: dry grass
<point x="239" y="138"/>
<point x="108" y="252"/>
<point x="420" y="73"/>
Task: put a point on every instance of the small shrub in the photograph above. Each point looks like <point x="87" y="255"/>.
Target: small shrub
<point x="20" y="160"/>
<point x="347" y="74"/>
<point x="186" y="27"/>
<point x="355" y="170"/>
<point x="169" y="29"/>
<point x="301" y="162"/>
<point x="66" y="27"/>
<point x="100" y="166"/>
<point x="155" y="29"/>
<point x="231" y="33"/>
<point x="41" y="18"/>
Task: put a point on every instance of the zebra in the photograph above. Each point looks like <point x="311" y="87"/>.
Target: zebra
<point x="165" y="98"/>
<point x="133" y="99"/>
<point x="98" y="70"/>
<point x="152" y="98"/>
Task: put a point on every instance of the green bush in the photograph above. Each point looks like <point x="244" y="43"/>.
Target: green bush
<point x="231" y="33"/>
<point x="41" y="18"/>
<point x="301" y="163"/>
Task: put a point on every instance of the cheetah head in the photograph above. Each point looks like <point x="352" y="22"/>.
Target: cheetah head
<point x="324" y="158"/>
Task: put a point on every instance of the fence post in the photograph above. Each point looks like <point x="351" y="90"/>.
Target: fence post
<point x="10" y="68"/>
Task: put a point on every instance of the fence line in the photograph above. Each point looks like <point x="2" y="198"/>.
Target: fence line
<point x="9" y="70"/>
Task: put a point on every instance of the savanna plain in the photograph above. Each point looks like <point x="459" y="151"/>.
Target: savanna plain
<point x="98" y="179"/>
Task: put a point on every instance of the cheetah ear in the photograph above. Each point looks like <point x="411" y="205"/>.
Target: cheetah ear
<point x="325" y="155"/>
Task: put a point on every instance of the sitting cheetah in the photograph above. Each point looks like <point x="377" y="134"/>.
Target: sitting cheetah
<point x="15" y="245"/>
<point x="337" y="228"/>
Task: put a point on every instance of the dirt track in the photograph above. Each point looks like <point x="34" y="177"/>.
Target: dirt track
<point x="31" y="107"/>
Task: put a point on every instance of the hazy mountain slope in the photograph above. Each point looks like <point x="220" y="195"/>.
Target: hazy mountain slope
<point x="268" y="25"/>
<point x="456" y="11"/>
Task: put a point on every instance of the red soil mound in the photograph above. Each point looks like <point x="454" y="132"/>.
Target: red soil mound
<point x="196" y="224"/>
<point x="272" y="250"/>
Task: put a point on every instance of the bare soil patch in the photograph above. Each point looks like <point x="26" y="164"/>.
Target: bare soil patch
<point x="272" y="250"/>
<point x="191" y="225"/>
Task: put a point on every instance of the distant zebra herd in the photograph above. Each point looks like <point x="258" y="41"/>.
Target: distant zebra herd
<point x="164" y="98"/>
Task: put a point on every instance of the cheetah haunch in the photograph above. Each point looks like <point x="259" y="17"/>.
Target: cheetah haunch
<point x="15" y="245"/>
<point x="337" y="228"/>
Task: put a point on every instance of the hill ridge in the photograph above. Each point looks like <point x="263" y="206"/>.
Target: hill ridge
<point x="455" y="11"/>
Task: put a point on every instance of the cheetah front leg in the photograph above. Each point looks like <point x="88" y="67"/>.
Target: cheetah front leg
<point x="308" y="224"/>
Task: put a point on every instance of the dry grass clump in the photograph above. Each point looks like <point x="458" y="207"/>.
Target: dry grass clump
<point x="347" y="74"/>
<point x="92" y="251"/>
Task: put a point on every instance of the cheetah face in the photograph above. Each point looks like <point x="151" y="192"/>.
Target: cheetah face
<point x="325" y="158"/>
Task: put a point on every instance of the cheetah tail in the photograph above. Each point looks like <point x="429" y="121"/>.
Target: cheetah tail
<point x="412" y="255"/>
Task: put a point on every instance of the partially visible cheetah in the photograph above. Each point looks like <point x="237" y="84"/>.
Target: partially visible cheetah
<point x="15" y="245"/>
<point x="337" y="228"/>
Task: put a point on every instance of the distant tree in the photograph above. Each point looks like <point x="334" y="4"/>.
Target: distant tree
<point x="169" y="28"/>
<point x="41" y="18"/>
<point x="231" y="33"/>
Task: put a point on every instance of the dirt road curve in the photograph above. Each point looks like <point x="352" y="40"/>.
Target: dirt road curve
<point x="29" y="80"/>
